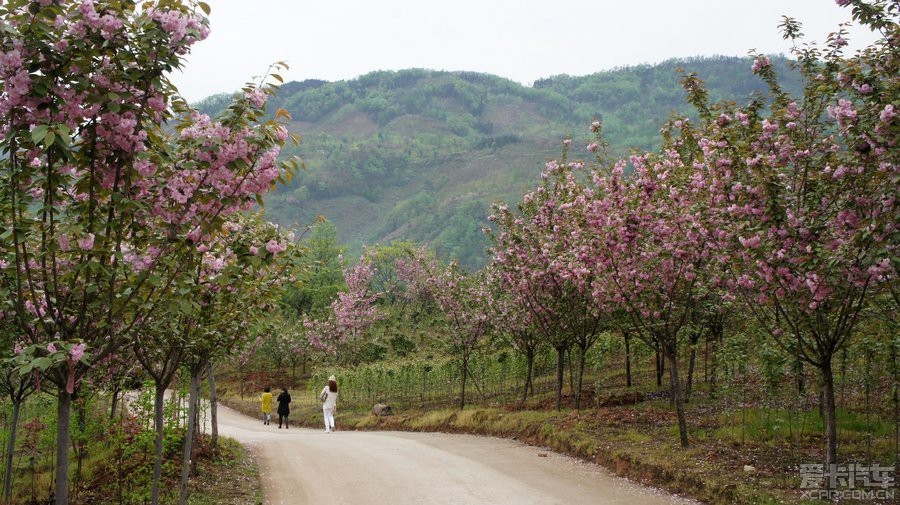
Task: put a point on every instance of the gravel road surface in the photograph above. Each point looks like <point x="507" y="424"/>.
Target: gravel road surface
<point x="305" y="466"/>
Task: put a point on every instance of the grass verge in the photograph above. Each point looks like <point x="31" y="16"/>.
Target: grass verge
<point x="229" y="476"/>
<point x="226" y="476"/>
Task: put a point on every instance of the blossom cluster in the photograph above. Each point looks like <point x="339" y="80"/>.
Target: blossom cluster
<point x="465" y="300"/>
<point x="792" y="211"/>
<point x="110" y="181"/>
<point x="343" y="327"/>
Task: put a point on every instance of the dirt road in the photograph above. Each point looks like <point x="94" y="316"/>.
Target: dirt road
<point x="301" y="466"/>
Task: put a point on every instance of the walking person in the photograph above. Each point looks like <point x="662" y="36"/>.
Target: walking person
<point x="284" y="409"/>
<point x="265" y="400"/>
<point x="329" y="396"/>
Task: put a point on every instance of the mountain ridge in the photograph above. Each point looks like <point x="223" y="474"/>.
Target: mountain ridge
<point x="420" y="154"/>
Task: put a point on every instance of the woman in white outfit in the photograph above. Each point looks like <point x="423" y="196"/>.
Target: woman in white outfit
<point x="329" y="396"/>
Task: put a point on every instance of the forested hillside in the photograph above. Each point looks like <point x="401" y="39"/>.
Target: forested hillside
<point x="419" y="154"/>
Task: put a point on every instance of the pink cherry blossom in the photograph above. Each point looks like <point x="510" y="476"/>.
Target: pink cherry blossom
<point x="86" y="243"/>
<point x="77" y="352"/>
<point x="274" y="247"/>
<point x="760" y="63"/>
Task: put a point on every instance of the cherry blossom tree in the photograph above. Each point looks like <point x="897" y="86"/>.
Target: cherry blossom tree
<point x="809" y="192"/>
<point x="98" y="198"/>
<point x="343" y="329"/>
<point x="464" y="300"/>
<point x="234" y="279"/>
<point x="515" y="324"/>
<point x="16" y="388"/>
<point x="655" y="251"/>
<point x="789" y="205"/>
<point x="540" y="254"/>
<point x="13" y="385"/>
<point x="237" y="278"/>
<point x="283" y="339"/>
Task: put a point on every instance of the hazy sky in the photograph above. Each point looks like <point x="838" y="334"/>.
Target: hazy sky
<point x="523" y="40"/>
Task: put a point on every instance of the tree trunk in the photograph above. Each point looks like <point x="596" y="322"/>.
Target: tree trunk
<point x="531" y="382"/>
<point x="690" y="376"/>
<point x="214" y="409"/>
<point x="197" y="424"/>
<point x="627" y="336"/>
<point x="462" y="389"/>
<point x="801" y="383"/>
<point x="676" y="395"/>
<point x="571" y="370"/>
<point x="843" y="374"/>
<point x="115" y="403"/>
<point x="529" y="366"/>
<point x="822" y="397"/>
<point x="560" y="370"/>
<point x="10" y="451"/>
<point x="79" y="450"/>
<point x="706" y="360"/>
<point x="830" y="413"/>
<point x="896" y="400"/>
<point x="175" y="402"/>
<point x="660" y="366"/>
<point x="581" y="357"/>
<point x="63" y="416"/>
<point x="159" y="426"/>
<point x="713" y="372"/>
<point x="424" y="386"/>
<point x="189" y="434"/>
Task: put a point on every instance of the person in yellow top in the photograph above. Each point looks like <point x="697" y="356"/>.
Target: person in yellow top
<point x="266" y="400"/>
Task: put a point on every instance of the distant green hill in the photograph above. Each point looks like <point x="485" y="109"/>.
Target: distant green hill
<point x="420" y="154"/>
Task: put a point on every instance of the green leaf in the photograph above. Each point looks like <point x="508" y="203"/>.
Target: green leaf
<point x="38" y="133"/>
<point x="204" y="7"/>
<point x="63" y="141"/>
<point x="42" y="363"/>
<point x="40" y="88"/>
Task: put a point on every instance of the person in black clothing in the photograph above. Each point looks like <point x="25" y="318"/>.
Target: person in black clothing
<point x="284" y="409"/>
